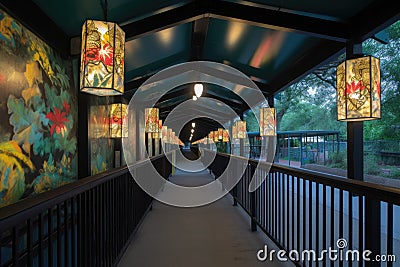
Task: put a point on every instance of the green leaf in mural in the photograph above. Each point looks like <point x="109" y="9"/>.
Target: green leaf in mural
<point x="27" y="123"/>
<point x="12" y="172"/>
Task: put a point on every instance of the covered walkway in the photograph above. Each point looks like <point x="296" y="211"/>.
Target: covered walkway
<point x="217" y="234"/>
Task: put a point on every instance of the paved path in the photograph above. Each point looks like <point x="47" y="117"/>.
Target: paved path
<point x="217" y="234"/>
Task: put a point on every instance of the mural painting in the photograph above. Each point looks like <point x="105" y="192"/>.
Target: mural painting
<point x="38" y="114"/>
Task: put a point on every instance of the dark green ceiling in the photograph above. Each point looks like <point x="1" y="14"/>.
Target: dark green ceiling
<point x="274" y="42"/>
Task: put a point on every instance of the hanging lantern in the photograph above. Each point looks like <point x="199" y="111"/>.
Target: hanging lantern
<point x="216" y="139"/>
<point x="164" y="134"/>
<point x="225" y="136"/>
<point x="157" y="135"/>
<point x="118" y="121"/>
<point x="267" y="122"/>
<point x="151" y="119"/>
<point x="169" y="135"/>
<point x="358" y="84"/>
<point x="220" y="133"/>
<point x="241" y="129"/>
<point x="234" y="132"/>
<point x="102" y="58"/>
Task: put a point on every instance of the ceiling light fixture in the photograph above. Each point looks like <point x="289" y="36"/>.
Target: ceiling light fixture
<point x="198" y="89"/>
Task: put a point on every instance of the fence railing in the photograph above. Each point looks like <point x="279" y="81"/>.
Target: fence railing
<point x="85" y="223"/>
<point x="302" y="210"/>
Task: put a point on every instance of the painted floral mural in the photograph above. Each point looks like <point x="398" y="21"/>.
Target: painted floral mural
<point x="38" y="113"/>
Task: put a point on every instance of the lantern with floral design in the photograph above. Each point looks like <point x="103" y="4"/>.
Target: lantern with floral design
<point x="241" y="129"/>
<point x="267" y="122"/>
<point x="118" y="120"/>
<point x="102" y="58"/>
<point x="359" y="89"/>
<point x="151" y="120"/>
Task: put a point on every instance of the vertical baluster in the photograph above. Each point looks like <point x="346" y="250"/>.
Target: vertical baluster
<point x="298" y="213"/>
<point x="293" y="221"/>
<point x="40" y="239"/>
<point x="324" y="222"/>
<point x="49" y="236"/>
<point x="304" y="215"/>
<point x="361" y="226"/>
<point x="59" y="235"/>
<point x="390" y="233"/>
<point x="317" y="218"/>
<point x="66" y="234"/>
<point x="276" y="206"/>
<point x="73" y="231"/>
<point x="341" y="220"/>
<point x="310" y="213"/>
<point x="288" y="179"/>
<point x="350" y="226"/>
<point x="332" y="220"/>
<point x="108" y="222"/>
<point x="29" y="241"/>
<point x="14" y="246"/>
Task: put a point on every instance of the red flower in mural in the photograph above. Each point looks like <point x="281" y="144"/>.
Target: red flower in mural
<point x="107" y="55"/>
<point x="353" y="87"/>
<point x="58" y="118"/>
<point x="66" y="106"/>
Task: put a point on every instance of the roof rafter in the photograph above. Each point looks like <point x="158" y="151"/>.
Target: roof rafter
<point x="254" y="15"/>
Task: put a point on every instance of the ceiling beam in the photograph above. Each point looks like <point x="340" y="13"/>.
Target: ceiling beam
<point x="199" y="34"/>
<point x="34" y="19"/>
<point x="267" y="17"/>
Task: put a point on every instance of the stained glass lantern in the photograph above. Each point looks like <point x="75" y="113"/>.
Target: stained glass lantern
<point x="169" y="136"/>
<point x="164" y="134"/>
<point x="211" y="136"/>
<point x="151" y="120"/>
<point x="225" y="136"/>
<point x="157" y="135"/>
<point x="102" y="58"/>
<point x="220" y="133"/>
<point x="267" y="122"/>
<point x="358" y="84"/>
<point x="216" y="139"/>
<point x="241" y="129"/>
<point x="234" y="132"/>
<point x="118" y="121"/>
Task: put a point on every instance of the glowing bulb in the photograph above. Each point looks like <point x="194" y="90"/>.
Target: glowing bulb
<point x="193" y="124"/>
<point x="192" y="131"/>
<point x="198" y="89"/>
<point x="194" y="98"/>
